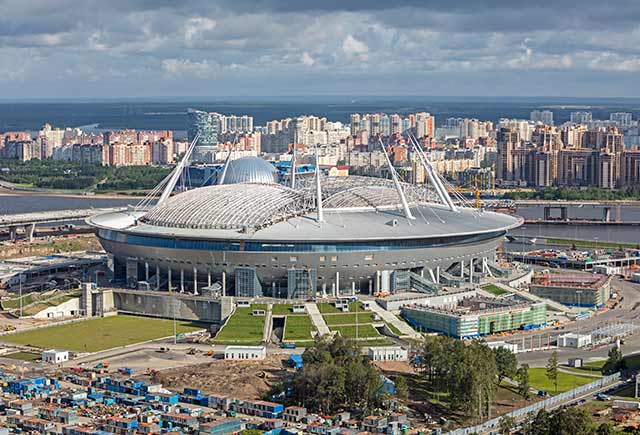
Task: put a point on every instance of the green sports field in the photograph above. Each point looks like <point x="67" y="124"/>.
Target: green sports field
<point x="99" y="334"/>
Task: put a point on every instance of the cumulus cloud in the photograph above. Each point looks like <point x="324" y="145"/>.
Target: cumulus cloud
<point x="186" y="67"/>
<point x="354" y="48"/>
<point x="353" y="45"/>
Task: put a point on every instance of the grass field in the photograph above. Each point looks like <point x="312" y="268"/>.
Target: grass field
<point x="364" y="331"/>
<point x="12" y="304"/>
<point x="100" y="334"/>
<point x="281" y="310"/>
<point x="494" y="290"/>
<point x="394" y="329"/>
<point x="348" y="319"/>
<point x="24" y="356"/>
<point x="538" y="380"/>
<point x="326" y="307"/>
<point x="298" y="328"/>
<point x="242" y="327"/>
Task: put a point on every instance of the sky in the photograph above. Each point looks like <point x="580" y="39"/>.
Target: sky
<point x="209" y="48"/>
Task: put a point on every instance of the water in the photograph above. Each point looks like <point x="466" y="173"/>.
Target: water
<point x="12" y="204"/>
<point x="170" y="114"/>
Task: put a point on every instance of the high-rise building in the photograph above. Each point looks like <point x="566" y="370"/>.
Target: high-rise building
<point x="207" y="126"/>
<point x="581" y="117"/>
<point x="623" y="119"/>
<point x="543" y="116"/>
<point x="507" y="141"/>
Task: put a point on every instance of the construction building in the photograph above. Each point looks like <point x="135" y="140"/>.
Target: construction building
<point x="477" y="316"/>
<point x="584" y="290"/>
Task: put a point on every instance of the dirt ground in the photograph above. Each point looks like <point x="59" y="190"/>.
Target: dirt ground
<point x="237" y="379"/>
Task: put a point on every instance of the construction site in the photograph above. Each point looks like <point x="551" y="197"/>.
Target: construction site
<point x="581" y="290"/>
<point x="477" y="316"/>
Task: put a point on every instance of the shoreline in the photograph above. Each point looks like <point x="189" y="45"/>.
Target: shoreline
<point x="8" y="192"/>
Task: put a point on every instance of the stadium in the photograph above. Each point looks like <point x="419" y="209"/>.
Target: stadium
<point x="254" y="234"/>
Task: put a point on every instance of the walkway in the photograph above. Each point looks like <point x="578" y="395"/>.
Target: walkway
<point x="392" y="319"/>
<point x="317" y="318"/>
<point x="268" y="325"/>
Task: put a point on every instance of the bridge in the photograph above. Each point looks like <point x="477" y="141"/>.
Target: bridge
<point x="28" y="221"/>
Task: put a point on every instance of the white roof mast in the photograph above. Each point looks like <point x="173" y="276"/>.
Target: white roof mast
<point x="177" y="171"/>
<point x="396" y="182"/>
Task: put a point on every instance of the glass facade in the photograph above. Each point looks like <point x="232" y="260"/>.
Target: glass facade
<point x="247" y="283"/>
<point x="301" y="283"/>
<point x="208" y="126"/>
<point x="216" y="245"/>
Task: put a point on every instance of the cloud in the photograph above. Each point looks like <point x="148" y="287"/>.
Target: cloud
<point x="355" y="49"/>
<point x="361" y="46"/>
<point x="186" y="67"/>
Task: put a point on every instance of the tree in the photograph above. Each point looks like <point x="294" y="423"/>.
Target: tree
<point x="605" y="428"/>
<point x="615" y="361"/>
<point x="402" y="389"/>
<point x="506" y="363"/>
<point x="571" y="421"/>
<point x="507" y="423"/>
<point x="335" y="375"/>
<point x="552" y="369"/>
<point x="523" y="380"/>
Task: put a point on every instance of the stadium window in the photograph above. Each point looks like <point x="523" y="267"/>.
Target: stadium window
<point x="274" y="258"/>
<point x="334" y="258"/>
<point x="322" y="258"/>
<point x="368" y="257"/>
<point x="293" y="258"/>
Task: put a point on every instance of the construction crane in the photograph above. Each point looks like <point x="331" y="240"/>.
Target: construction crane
<point x="472" y="189"/>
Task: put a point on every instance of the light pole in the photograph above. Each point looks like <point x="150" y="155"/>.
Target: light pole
<point x="524" y="260"/>
<point x="578" y="293"/>
<point x="20" y="290"/>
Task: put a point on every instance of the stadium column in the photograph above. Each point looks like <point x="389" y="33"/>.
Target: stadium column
<point x="209" y="278"/>
<point x="353" y="288"/>
<point x="337" y="293"/>
<point x="438" y="274"/>
<point x="378" y="281"/>
<point x="471" y="271"/>
<point x="181" y="280"/>
<point x="461" y="268"/>
<point x="157" y="277"/>
<point x="146" y="272"/>
<point x="195" y="280"/>
<point x="224" y="283"/>
<point x="169" y="279"/>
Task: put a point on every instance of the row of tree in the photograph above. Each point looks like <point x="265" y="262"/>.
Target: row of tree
<point x="563" y="421"/>
<point x="57" y="174"/>
<point x="572" y="194"/>
<point x="469" y="373"/>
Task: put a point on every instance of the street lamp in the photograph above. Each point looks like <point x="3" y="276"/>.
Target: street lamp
<point x="578" y="293"/>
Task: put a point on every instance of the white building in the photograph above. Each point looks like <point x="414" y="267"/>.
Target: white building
<point x="254" y="353"/>
<point x="53" y="356"/>
<point x="571" y="339"/>
<point x="509" y="346"/>
<point x="388" y="353"/>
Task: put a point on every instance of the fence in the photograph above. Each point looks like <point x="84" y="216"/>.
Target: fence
<point x="534" y="407"/>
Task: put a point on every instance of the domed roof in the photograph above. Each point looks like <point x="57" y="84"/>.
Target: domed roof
<point x="250" y="170"/>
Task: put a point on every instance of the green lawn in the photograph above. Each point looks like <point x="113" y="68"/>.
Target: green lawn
<point x="394" y="329"/>
<point x="494" y="290"/>
<point x="36" y="308"/>
<point x="284" y="310"/>
<point x="12" y="304"/>
<point x="348" y="319"/>
<point x="538" y="380"/>
<point x="242" y="326"/>
<point x="364" y="331"/>
<point x="326" y="307"/>
<point x="99" y="334"/>
<point x="298" y="328"/>
<point x="24" y="356"/>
